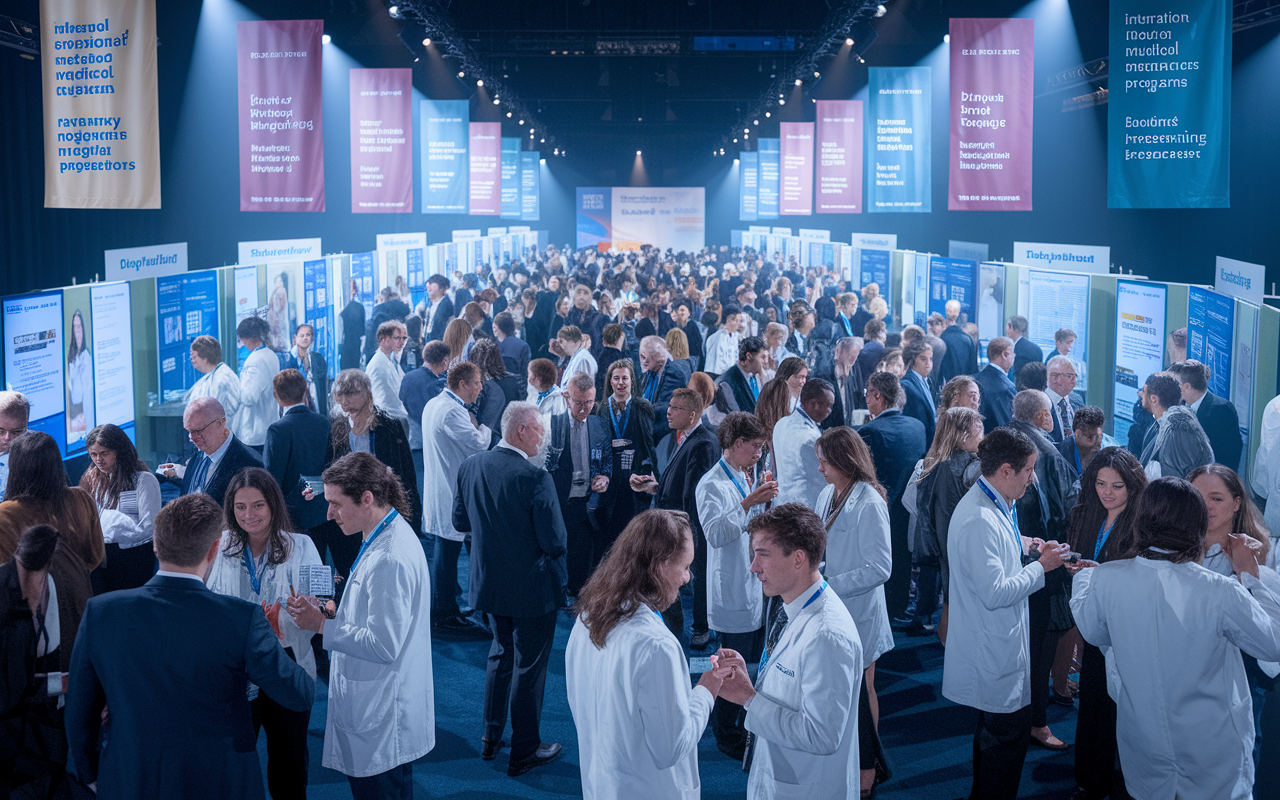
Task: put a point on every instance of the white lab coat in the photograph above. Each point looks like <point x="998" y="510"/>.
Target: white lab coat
<point x="859" y="560"/>
<point x="223" y="384"/>
<point x="721" y="351"/>
<point x="805" y="712"/>
<point x="735" y="599"/>
<point x="133" y="521"/>
<point x="448" y="438"/>
<point x="796" y="461"/>
<point x="581" y="361"/>
<point x="384" y="379"/>
<point x="381" y="710"/>
<point x="1266" y="467"/>
<point x="988" y="660"/>
<point x="638" y="721"/>
<point x="1173" y="635"/>
<point x="258" y="406"/>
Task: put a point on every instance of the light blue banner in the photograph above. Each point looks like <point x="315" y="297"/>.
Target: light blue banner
<point x="898" y="140"/>
<point x="1210" y="329"/>
<point x="770" y="167"/>
<point x="445" y="130"/>
<point x="318" y="311"/>
<point x="1169" y="106"/>
<point x="511" y="177"/>
<point x="530" y="186"/>
<point x="748" y="186"/>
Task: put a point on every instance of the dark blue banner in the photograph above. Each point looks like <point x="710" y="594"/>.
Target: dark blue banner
<point x="530" y="186"/>
<point x="952" y="279"/>
<point x="1210" y="329"/>
<point x="363" y="273"/>
<point x="1169" y="107"/>
<point x="770" y="174"/>
<point x="317" y="310"/>
<point x="417" y="263"/>
<point x="510" y="196"/>
<point x="748" y="186"/>
<point x="874" y="268"/>
<point x="186" y="307"/>
<point x="897" y="140"/>
<point x="446" y="134"/>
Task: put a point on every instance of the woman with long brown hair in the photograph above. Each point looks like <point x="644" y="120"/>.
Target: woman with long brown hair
<point x="629" y="419"/>
<point x="859" y="560"/>
<point x="128" y="498"/>
<point x="457" y="335"/>
<point x="638" y="720"/>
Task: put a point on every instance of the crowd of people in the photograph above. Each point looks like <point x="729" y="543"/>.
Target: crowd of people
<point x="718" y="453"/>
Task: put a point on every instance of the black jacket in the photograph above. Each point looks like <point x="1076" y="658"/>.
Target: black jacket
<point x="961" y="357"/>
<point x="390" y="445"/>
<point x="382" y="312"/>
<point x="937" y="495"/>
<point x="1025" y="352"/>
<point x="237" y="457"/>
<point x="1221" y="424"/>
<point x="897" y="442"/>
<point x="296" y="447"/>
<point x="997" y="396"/>
<point x="678" y="482"/>
<point x="733" y="391"/>
<point x="352" y="316"/>
<point x="658" y="388"/>
<point x="319" y="376"/>
<point x="920" y="402"/>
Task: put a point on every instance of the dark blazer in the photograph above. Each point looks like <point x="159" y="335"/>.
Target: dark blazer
<point x="237" y="457"/>
<point x="868" y="360"/>
<point x="352" y="329"/>
<point x="607" y="356"/>
<point x="419" y="387"/>
<point x="515" y="357"/>
<point x="694" y="336"/>
<point x="638" y="430"/>
<point x="1071" y="452"/>
<point x="859" y="321"/>
<point x="672" y="376"/>
<point x="560" y="459"/>
<point x="1025" y="352"/>
<point x="997" y="396"/>
<point x="678" y="482"/>
<point x="1221" y="424"/>
<point x="518" y="540"/>
<point x="920" y="403"/>
<point x="492" y="402"/>
<point x="382" y="312"/>
<point x="1056" y="479"/>
<point x="295" y="447"/>
<point x="645" y="327"/>
<point x="172" y="661"/>
<point x="390" y="445"/>
<point x="961" y="357"/>
<point x="733" y="391"/>
<point x="897" y="442"/>
<point x="441" y="320"/>
<point x="319" y="376"/>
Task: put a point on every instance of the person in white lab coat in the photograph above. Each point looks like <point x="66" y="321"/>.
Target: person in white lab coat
<point x="217" y="380"/>
<point x="727" y="498"/>
<point x="988" y="659"/>
<point x="1173" y="632"/>
<point x="574" y="347"/>
<point x="381" y="713"/>
<point x="1266" y="467"/>
<point x="722" y="346"/>
<point x="799" y="480"/>
<point x="385" y="374"/>
<point x="854" y="508"/>
<point x="258" y="406"/>
<point x="450" y="433"/>
<point x="638" y="721"/>
<point x="802" y="711"/>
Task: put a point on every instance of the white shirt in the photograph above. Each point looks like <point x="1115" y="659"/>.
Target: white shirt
<point x="1266" y="466"/>
<point x="1173" y="634"/>
<point x="551" y="404"/>
<point x="859" y="561"/>
<point x="448" y="438"/>
<point x="721" y="351"/>
<point x="638" y="720"/>
<point x="133" y="521"/>
<point x="258" y="406"/>
<point x="581" y="361"/>
<point x="222" y="384"/>
<point x="1196" y="405"/>
<point x="735" y="599"/>
<point x="799" y="481"/>
<point x="385" y="376"/>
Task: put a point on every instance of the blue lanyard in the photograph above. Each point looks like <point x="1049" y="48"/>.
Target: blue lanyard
<point x="764" y="661"/>
<point x="651" y="388"/>
<point x="382" y="526"/>
<point x="618" y="432"/>
<point x="1076" y="446"/>
<point x="458" y="400"/>
<point x="754" y="387"/>
<point x="733" y="477"/>
<point x="1103" y="535"/>
<point x="1013" y="510"/>
<point x="541" y="395"/>
<point x="255" y="578"/>
<point x="848" y="326"/>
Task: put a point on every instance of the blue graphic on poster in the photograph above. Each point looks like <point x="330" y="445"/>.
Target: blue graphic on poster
<point x="446" y="135"/>
<point x="1210" y="329"/>
<point x="317" y="311"/>
<point x="510" y="174"/>
<point x="1140" y="338"/>
<point x="364" y="274"/>
<point x="898" y="140"/>
<point x="874" y="268"/>
<point x="770" y="174"/>
<point x="952" y="279"/>
<point x="530" y="186"/>
<point x="35" y="360"/>
<point x="414" y="257"/>
<point x="186" y="307"/>
<point x="595" y="215"/>
<point x="748" y="186"/>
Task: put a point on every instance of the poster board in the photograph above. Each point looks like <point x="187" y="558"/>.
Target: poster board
<point x="35" y="359"/>
<point x="1141" y="315"/>
<point x="186" y="307"/>
<point x="1057" y="300"/>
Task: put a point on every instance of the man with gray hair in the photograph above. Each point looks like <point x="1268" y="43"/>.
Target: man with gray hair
<point x="518" y="546"/>
<point x="15" y="410"/>
<point x="221" y="454"/>
<point x="847" y="382"/>
<point x="1062" y="384"/>
<point x="580" y="460"/>
<point x="660" y="376"/>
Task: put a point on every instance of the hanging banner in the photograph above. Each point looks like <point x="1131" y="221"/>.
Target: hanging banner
<point x="748" y="186"/>
<point x="101" y="118"/>
<point x="444" y="155"/>
<point x="767" y="205"/>
<point x="839" y="134"/>
<point x="897" y="171"/>
<point x="1168" y="111"/>
<point x="483" y="163"/>
<point x="381" y="141"/>
<point x="992" y="97"/>
<point x="1210" y="326"/>
<point x="530" y="186"/>
<point x="796" y="192"/>
<point x="281" y="128"/>
<point x="510" y="173"/>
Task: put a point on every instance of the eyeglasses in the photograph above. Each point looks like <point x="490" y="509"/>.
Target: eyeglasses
<point x="1070" y="375"/>
<point x="199" y="432"/>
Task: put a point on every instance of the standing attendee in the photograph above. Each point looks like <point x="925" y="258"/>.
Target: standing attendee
<point x="874" y="335"/>
<point x="417" y="389"/>
<point x="722" y="346"/>
<point x="802" y="711"/>
<point x="385" y="373"/>
<point x="1266" y="467"/>
<point x="312" y="366"/>
<point x="579" y="460"/>
<point x="15" y="410"/>
<point x="1025" y="351"/>
<point x="993" y="381"/>
<point x="259" y="560"/>
<point x="459" y="336"/>
<point x="382" y="716"/>
<point x="987" y="665"/>
<point x="961" y="357"/>
<point x="613" y="339"/>
<point x="960" y="391"/>
<point x="1178" y="444"/>
<point x="727" y="497"/>
<point x="799" y="480"/>
<point x="1085" y="439"/>
<point x="801" y="321"/>
<point x="628" y="418"/>
<point x="1063" y="340"/>
<point x="583" y="315"/>
<point x="295" y="450"/>
<point x="391" y="307"/>
<point x="858" y="560"/>
<point x="258" y="407"/>
<point x="515" y="351"/>
<point x="849" y="390"/>
<point x="1061" y="391"/>
<point x="682" y="316"/>
<point x="221" y="453"/>
<point x="1175" y="633"/>
<point x="1216" y="415"/>
<point x="544" y="391"/>
<point x="577" y="355"/>
<point x="918" y="356"/>
<point x="128" y="498"/>
<point x="739" y="386"/>
<point x="126" y="660"/>
<point x="499" y="389"/>
<point x="217" y="380"/>
<point x="352" y="318"/>
<point x="518" y="545"/>
<point x="439" y="308"/>
<point x="659" y="379"/>
<point x="37" y="493"/>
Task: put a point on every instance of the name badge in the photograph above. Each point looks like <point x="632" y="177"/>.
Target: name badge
<point x="618" y="444"/>
<point x="790" y="673"/>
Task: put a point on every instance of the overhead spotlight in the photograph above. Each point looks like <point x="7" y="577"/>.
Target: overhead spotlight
<point x="531" y="131"/>
<point x="508" y="115"/>
<point x="817" y="74"/>
<point x="861" y="60"/>
<point x="496" y="101"/>
<point x="798" y="83"/>
<point x="426" y="42"/>
<point x="782" y="102"/>
<point x="462" y="74"/>
<point x="780" y="96"/>
<point x="746" y="130"/>
<point x="946" y="38"/>
<point x="755" y="122"/>
<point x="721" y="151"/>
<point x="542" y="141"/>
<point x="848" y="42"/>
<point x="768" y="113"/>
<point x="415" y="61"/>
<point x="394" y="11"/>
<point x="556" y="151"/>
<point x="542" y="161"/>
<point x="881" y="11"/>
<point x="325" y="39"/>
<point x="479" y="83"/>
<point x="521" y="122"/>
<point x="637" y="152"/>
<point x="639" y="119"/>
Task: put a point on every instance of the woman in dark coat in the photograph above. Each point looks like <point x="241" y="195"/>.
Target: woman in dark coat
<point x="629" y="419"/>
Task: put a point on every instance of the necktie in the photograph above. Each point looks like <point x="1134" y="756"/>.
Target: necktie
<point x="771" y="641"/>
<point x="679" y="438"/>
<point x="202" y="470"/>
<point x="755" y="388"/>
<point x="1064" y="412"/>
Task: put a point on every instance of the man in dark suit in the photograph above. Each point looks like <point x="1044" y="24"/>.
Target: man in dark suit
<point x="172" y="661"/>
<point x="1063" y="402"/>
<point x="221" y="454"/>
<point x="997" y="390"/>
<point x="660" y="376"/>
<point x="1217" y="415"/>
<point x="580" y="460"/>
<point x="1025" y="351"/>
<point x="515" y="351"/>
<point x="352" y="317"/>
<point x="918" y="357"/>
<point x="961" y="357"/>
<point x="439" y="307"/>
<point x="518" y="546"/>
<point x="696" y="451"/>
<point x="295" y="447"/>
<point x="896" y="442"/>
<point x="874" y="335"/>
<point x="738" y="387"/>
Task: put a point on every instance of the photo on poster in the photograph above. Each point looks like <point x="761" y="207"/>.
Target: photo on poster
<point x="35" y="359"/>
<point x="284" y="288"/>
<point x="80" y="402"/>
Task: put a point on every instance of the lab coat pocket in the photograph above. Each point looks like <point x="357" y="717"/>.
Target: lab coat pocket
<point x="793" y="791"/>
<point x="727" y="590"/>
<point x="361" y="706"/>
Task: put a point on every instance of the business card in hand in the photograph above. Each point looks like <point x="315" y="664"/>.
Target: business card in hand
<point x="316" y="580"/>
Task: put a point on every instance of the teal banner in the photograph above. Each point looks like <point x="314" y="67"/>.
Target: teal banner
<point x="1168" y="108"/>
<point x="748" y="185"/>
<point x="770" y="169"/>
<point x="511" y="177"/>
<point x="897" y="140"/>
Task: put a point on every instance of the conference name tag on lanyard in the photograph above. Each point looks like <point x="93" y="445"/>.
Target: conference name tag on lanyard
<point x="733" y="477"/>
<point x="1012" y="514"/>
<point x="764" y="660"/>
<point x="255" y="577"/>
<point x="1103" y="535"/>
<point x="382" y="526"/>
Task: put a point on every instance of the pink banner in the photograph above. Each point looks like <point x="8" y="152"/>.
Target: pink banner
<point x="795" y="197"/>
<point x="992" y="95"/>
<point x="381" y="141"/>
<point x="281" y="130"/>
<point x="839" y="132"/>
<point x="486" y="168"/>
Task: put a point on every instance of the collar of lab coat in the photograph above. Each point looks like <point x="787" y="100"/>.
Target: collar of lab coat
<point x="794" y="608"/>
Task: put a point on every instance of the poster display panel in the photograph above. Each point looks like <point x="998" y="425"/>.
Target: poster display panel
<point x="1210" y="328"/>
<point x="874" y="267"/>
<point x="991" y="316"/>
<point x="186" y="307"/>
<point x="1140" y="334"/>
<point x="318" y="305"/>
<point x="510" y="177"/>
<point x="1060" y="300"/>
<point x="35" y="360"/>
<point x="952" y="279"/>
<point x="112" y="324"/>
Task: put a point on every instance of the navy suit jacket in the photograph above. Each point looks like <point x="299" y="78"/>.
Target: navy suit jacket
<point x="172" y="661"/>
<point x="418" y="388"/>
<point x="919" y="403"/>
<point x="441" y="320"/>
<point x="1025" y="352"/>
<point x="896" y="442"/>
<point x="295" y="447"/>
<point x="961" y="357"/>
<point x="515" y="357"/>
<point x="518" y="540"/>
<point x="679" y="479"/>
<point x="674" y="375"/>
<point x="237" y="457"/>
<point x="997" y="396"/>
<point x="868" y="359"/>
<point x="1221" y="424"/>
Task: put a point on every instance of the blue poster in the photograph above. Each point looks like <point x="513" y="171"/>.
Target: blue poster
<point x="363" y="273"/>
<point x="952" y="279"/>
<point x="897" y="140"/>
<point x="1210" y="325"/>
<point x="874" y="268"/>
<point x="186" y="307"/>
<point x="748" y="186"/>
<point x="445" y="136"/>
<point x="530" y="188"/>
<point x="317" y="311"/>
<point x="510" y="195"/>
<point x="770" y="166"/>
<point x="1169" y="108"/>
<point x="417" y="275"/>
<point x="38" y="361"/>
<point x="595" y="217"/>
